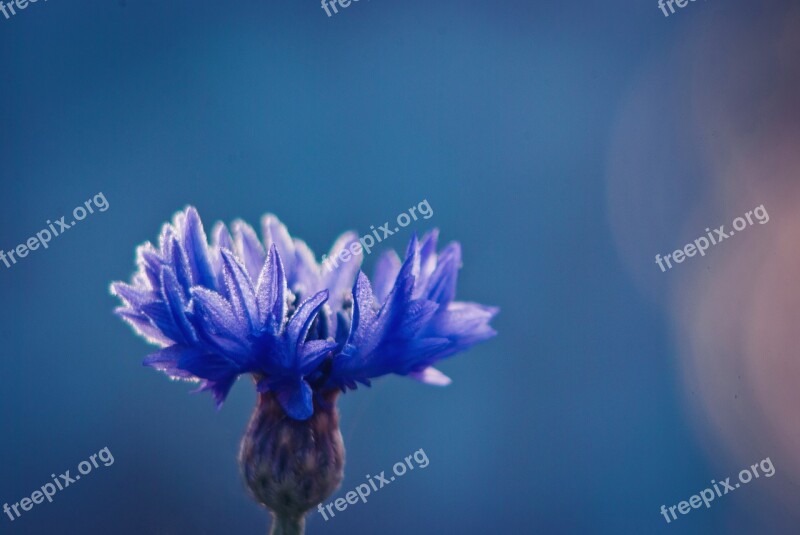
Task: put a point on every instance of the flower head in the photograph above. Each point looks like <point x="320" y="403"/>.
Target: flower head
<point x="239" y="305"/>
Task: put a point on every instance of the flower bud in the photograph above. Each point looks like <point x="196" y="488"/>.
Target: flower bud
<point x="290" y="466"/>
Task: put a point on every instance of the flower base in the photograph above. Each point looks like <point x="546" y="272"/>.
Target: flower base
<point x="290" y="466"/>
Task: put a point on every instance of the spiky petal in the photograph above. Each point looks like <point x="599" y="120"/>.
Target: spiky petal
<point x="243" y="306"/>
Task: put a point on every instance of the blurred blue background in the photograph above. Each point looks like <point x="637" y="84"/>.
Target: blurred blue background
<point x="498" y="113"/>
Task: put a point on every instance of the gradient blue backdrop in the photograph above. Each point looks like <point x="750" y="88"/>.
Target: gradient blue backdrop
<point x="497" y="113"/>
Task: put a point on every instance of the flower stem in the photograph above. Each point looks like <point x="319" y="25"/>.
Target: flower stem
<point x="282" y="525"/>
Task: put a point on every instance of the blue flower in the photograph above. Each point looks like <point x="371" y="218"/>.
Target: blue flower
<point x="242" y="306"/>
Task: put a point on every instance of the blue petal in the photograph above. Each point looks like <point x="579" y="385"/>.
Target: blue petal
<point x="248" y="247"/>
<point x="132" y="296"/>
<point x="219" y="389"/>
<point x="338" y="275"/>
<point x="180" y="265"/>
<point x="431" y="376"/>
<point x="307" y="271"/>
<point x="216" y="322"/>
<point x="298" y="326"/>
<point x="363" y="310"/>
<point x="297" y="400"/>
<point x="419" y="353"/>
<point x="386" y="271"/>
<point x="276" y="233"/>
<point x="149" y="262"/>
<point x="221" y="237"/>
<point x="161" y="316"/>
<point x="167" y="359"/>
<point x="444" y="278"/>
<point x="415" y="317"/>
<point x="220" y="240"/>
<point x="271" y="292"/>
<point x="427" y="261"/>
<point x="210" y="366"/>
<point x="165" y="238"/>
<point x="240" y="289"/>
<point x="143" y="326"/>
<point x="172" y="295"/>
<point x="465" y="324"/>
<point x="196" y="246"/>
<point x="312" y="353"/>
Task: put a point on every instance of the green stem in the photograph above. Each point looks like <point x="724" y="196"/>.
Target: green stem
<point x="287" y="526"/>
